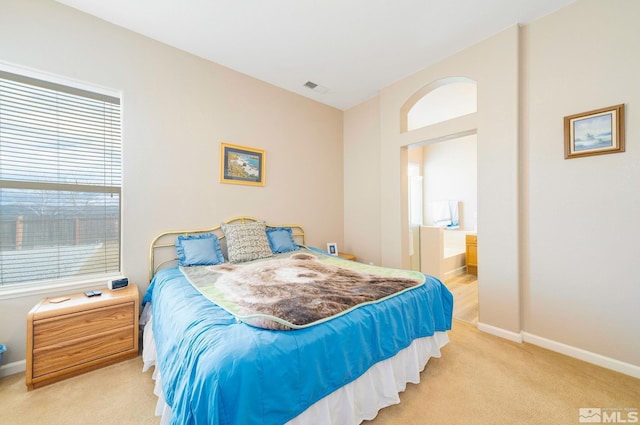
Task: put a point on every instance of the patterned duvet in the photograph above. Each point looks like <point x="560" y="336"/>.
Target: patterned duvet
<point x="297" y="289"/>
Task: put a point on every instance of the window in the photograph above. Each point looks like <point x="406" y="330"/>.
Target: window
<point x="60" y="182"/>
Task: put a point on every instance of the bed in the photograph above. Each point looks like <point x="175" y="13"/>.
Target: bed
<point x="214" y="365"/>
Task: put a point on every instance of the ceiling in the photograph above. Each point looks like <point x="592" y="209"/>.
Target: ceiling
<point x="350" y="48"/>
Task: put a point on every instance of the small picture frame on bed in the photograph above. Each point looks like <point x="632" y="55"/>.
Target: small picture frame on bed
<point x="241" y="165"/>
<point x="332" y="248"/>
<point x="596" y="132"/>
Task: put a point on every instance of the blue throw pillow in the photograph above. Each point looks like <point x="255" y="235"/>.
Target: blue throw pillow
<point x="199" y="250"/>
<point x="281" y="240"/>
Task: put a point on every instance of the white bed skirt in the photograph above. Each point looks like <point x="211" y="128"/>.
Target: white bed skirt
<point x="350" y="405"/>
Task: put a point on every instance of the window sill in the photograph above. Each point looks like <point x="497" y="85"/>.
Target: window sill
<point x="46" y="288"/>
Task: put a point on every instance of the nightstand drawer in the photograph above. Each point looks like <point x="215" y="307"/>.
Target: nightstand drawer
<point x="47" y="332"/>
<point x="73" y="334"/>
<point x="84" y="350"/>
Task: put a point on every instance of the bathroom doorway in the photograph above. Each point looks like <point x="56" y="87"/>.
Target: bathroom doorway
<point x="442" y="183"/>
<point x="447" y="183"/>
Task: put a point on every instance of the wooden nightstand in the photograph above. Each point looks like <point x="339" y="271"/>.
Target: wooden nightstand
<point x="73" y="334"/>
<point x="472" y="254"/>
<point x="347" y="256"/>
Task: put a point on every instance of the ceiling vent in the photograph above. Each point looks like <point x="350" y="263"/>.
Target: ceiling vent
<point x="316" y="87"/>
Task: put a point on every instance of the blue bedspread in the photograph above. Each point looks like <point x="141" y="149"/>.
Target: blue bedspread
<point x="218" y="371"/>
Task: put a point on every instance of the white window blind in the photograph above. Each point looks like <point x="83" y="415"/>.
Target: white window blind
<point x="60" y="181"/>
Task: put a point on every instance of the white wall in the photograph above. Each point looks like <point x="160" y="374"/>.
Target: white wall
<point x="451" y="174"/>
<point x="177" y="108"/>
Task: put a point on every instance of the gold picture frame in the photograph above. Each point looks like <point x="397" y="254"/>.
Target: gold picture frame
<point x="241" y="165"/>
<point x="596" y="132"/>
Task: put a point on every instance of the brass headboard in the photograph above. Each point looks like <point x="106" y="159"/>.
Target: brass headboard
<point x="164" y="242"/>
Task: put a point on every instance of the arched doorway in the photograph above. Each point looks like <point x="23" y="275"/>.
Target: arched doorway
<point x="443" y="179"/>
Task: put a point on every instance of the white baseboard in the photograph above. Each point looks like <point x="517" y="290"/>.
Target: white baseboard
<point x="502" y="333"/>
<point x="13" y="368"/>
<point x="587" y="356"/>
<point x="567" y="350"/>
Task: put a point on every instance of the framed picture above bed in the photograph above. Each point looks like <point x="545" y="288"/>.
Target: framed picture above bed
<point x="596" y="132"/>
<point x="241" y="165"/>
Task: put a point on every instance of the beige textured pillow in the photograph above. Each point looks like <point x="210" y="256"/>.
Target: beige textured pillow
<point x="246" y="242"/>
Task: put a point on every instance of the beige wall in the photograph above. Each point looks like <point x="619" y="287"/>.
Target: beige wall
<point x="581" y="286"/>
<point x="494" y="65"/>
<point x="362" y="230"/>
<point x="451" y="174"/>
<point x="177" y="110"/>
<point x="557" y="238"/>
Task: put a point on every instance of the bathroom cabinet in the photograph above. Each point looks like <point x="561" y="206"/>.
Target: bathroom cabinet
<point x="472" y="254"/>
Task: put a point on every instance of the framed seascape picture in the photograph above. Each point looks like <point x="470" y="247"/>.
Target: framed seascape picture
<point x="241" y="165"/>
<point x="594" y="133"/>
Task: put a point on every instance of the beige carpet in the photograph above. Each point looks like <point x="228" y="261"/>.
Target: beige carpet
<point x="480" y="379"/>
<point x="116" y="395"/>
